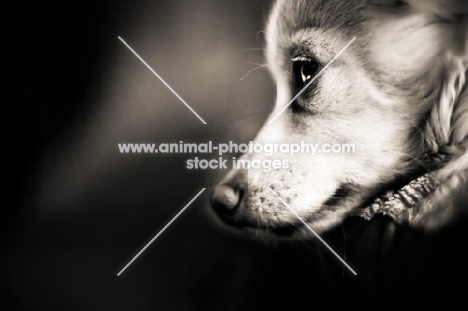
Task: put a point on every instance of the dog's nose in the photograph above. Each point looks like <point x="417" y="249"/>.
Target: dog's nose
<point x="225" y="198"/>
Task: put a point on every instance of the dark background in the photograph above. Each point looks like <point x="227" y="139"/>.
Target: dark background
<point x="80" y="211"/>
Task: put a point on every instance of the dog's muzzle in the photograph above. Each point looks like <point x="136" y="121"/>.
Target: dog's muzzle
<point x="227" y="200"/>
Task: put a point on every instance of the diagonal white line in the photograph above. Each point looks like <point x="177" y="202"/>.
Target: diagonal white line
<point x="162" y="80"/>
<point x="168" y="224"/>
<point x="312" y="230"/>
<point x="311" y="81"/>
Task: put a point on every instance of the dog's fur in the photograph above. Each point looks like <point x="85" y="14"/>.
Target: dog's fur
<point x="398" y="93"/>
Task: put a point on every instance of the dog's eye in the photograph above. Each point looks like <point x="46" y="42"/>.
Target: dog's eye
<point x="307" y="70"/>
<point x="304" y="70"/>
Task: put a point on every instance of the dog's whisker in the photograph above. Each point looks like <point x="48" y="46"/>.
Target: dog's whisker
<point x="254" y="49"/>
<point x="251" y="70"/>
<point x="257" y="64"/>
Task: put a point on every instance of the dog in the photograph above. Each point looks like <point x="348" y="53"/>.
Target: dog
<point x="390" y="78"/>
<point x="398" y="93"/>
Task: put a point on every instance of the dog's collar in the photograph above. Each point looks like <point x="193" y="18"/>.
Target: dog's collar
<point x="399" y="204"/>
<point x="402" y="204"/>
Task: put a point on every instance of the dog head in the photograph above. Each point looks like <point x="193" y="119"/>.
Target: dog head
<point x="396" y="94"/>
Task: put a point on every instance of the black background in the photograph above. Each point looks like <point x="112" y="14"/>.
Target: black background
<point x="80" y="211"/>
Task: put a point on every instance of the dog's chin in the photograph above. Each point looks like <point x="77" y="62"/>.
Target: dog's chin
<point x="287" y="231"/>
<point x="262" y="232"/>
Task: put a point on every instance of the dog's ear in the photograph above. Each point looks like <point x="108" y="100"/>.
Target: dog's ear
<point x="460" y="116"/>
<point x="446" y="127"/>
<point x="447" y="123"/>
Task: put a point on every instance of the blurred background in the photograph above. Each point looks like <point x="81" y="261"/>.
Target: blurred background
<point x="80" y="210"/>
